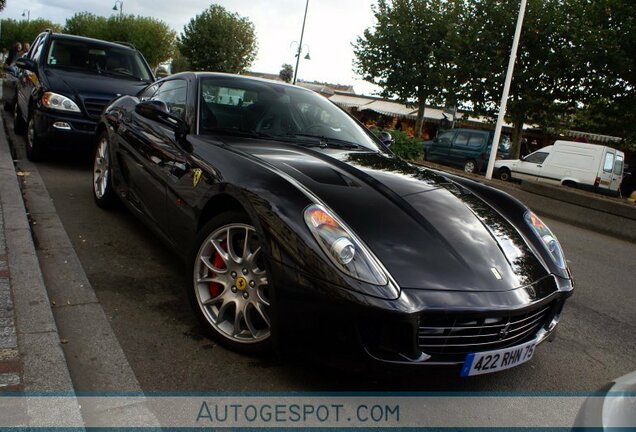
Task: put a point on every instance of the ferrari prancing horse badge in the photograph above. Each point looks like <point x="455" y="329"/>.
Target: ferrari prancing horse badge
<point x="196" y="176"/>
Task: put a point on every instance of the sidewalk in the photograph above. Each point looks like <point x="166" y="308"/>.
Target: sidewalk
<point x="10" y="364"/>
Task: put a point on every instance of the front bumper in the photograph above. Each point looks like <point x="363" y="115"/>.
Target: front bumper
<point x="337" y="322"/>
<point x="61" y="129"/>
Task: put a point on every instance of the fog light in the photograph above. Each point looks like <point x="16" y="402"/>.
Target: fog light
<point x="344" y="250"/>
<point x="62" y="125"/>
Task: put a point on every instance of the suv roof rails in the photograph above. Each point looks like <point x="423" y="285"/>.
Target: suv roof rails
<point x="128" y="44"/>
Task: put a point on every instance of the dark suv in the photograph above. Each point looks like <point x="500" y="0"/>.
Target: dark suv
<point x="64" y="84"/>
<point x="467" y="148"/>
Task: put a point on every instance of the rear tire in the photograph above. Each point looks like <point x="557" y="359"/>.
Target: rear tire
<point x="470" y="166"/>
<point x="504" y="174"/>
<point x="229" y="286"/>
<point x="34" y="145"/>
<point x="570" y="184"/>
<point x="19" y="125"/>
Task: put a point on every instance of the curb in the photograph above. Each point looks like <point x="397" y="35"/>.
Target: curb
<point x="94" y="357"/>
<point x="40" y="350"/>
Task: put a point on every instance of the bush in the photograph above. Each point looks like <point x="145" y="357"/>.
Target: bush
<point x="404" y="146"/>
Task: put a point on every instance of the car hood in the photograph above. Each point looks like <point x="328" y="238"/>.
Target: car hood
<point x="83" y="85"/>
<point x="429" y="232"/>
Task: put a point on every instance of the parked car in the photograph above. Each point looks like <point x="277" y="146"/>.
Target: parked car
<point x="568" y="163"/>
<point x="299" y="227"/>
<point x="467" y="148"/>
<point x="65" y="83"/>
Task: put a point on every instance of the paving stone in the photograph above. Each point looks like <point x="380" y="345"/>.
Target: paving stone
<point x="8" y="338"/>
<point x="8" y="354"/>
<point x="9" y="379"/>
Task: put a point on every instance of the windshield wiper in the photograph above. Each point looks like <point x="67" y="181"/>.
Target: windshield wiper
<point x="119" y="73"/>
<point x="237" y="131"/>
<point x="324" y="141"/>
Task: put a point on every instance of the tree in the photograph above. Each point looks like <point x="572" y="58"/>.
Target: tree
<point x="550" y="75"/>
<point x="286" y="73"/>
<point x="407" y="52"/>
<point x="3" y="4"/>
<point x="218" y="40"/>
<point x="22" y="31"/>
<point x="607" y="29"/>
<point x="179" y="63"/>
<point x="153" y="38"/>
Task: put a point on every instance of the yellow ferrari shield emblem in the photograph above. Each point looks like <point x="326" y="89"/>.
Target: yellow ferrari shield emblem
<point x="196" y="176"/>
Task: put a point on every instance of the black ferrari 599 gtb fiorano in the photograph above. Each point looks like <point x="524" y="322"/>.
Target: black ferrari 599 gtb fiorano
<point x="297" y="224"/>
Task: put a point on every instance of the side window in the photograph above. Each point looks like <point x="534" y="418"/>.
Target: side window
<point x="537" y="157"/>
<point x="618" y="165"/>
<point x="445" y="139"/>
<point x="173" y="94"/>
<point x="475" y="141"/>
<point x="608" y="165"/>
<point x="462" y="139"/>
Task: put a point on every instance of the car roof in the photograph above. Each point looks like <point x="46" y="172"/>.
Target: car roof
<point x="91" y="40"/>
<point x="241" y="77"/>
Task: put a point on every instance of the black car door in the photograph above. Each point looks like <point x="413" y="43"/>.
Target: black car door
<point x="148" y="150"/>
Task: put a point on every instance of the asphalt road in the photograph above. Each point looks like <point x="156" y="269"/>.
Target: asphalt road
<point x="140" y="286"/>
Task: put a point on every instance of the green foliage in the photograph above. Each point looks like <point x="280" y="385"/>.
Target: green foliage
<point x="22" y="31"/>
<point x="286" y="73"/>
<point x="152" y="37"/>
<point x="180" y="63"/>
<point x="407" y="52"/>
<point x="218" y="40"/>
<point x="404" y="146"/>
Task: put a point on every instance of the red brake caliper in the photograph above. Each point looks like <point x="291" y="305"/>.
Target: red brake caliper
<point x="216" y="288"/>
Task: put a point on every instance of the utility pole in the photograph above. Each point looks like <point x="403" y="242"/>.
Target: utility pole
<point x="506" y="91"/>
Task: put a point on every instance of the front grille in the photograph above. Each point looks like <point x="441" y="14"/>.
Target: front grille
<point x="453" y="336"/>
<point x="94" y="107"/>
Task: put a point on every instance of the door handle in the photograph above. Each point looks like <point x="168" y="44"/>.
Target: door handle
<point x="539" y="166"/>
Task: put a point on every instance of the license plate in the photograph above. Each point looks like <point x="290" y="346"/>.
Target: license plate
<point x="497" y="360"/>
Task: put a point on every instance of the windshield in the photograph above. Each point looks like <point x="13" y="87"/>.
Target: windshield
<point x="270" y="110"/>
<point x="97" y="58"/>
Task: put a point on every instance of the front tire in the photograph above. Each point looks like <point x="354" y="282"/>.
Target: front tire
<point x="504" y="174"/>
<point x="34" y="145"/>
<point x="230" y="290"/>
<point x="102" y="183"/>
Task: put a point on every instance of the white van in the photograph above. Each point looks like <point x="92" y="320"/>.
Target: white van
<point x="569" y="163"/>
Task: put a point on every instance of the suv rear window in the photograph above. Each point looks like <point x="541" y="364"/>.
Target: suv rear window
<point x="97" y="58"/>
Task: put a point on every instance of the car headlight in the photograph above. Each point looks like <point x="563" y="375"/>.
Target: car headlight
<point x="58" y="102"/>
<point x="342" y="246"/>
<point x="546" y="236"/>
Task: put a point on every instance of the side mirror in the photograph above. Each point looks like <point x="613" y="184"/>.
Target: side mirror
<point x="387" y="139"/>
<point x="26" y="63"/>
<point x="158" y="111"/>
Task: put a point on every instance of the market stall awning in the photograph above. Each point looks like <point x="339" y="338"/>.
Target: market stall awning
<point x="392" y="109"/>
<point x="348" y="101"/>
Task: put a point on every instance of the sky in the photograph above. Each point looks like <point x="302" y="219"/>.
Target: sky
<point x="332" y="26"/>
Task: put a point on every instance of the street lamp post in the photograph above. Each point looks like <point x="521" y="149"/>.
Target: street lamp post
<point x="300" y="45"/>
<point x="27" y="13"/>
<point x="506" y="90"/>
<point x="121" y="8"/>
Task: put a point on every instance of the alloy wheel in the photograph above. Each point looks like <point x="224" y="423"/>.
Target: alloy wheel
<point x="231" y="284"/>
<point x="469" y="166"/>
<point x="101" y="168"/>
